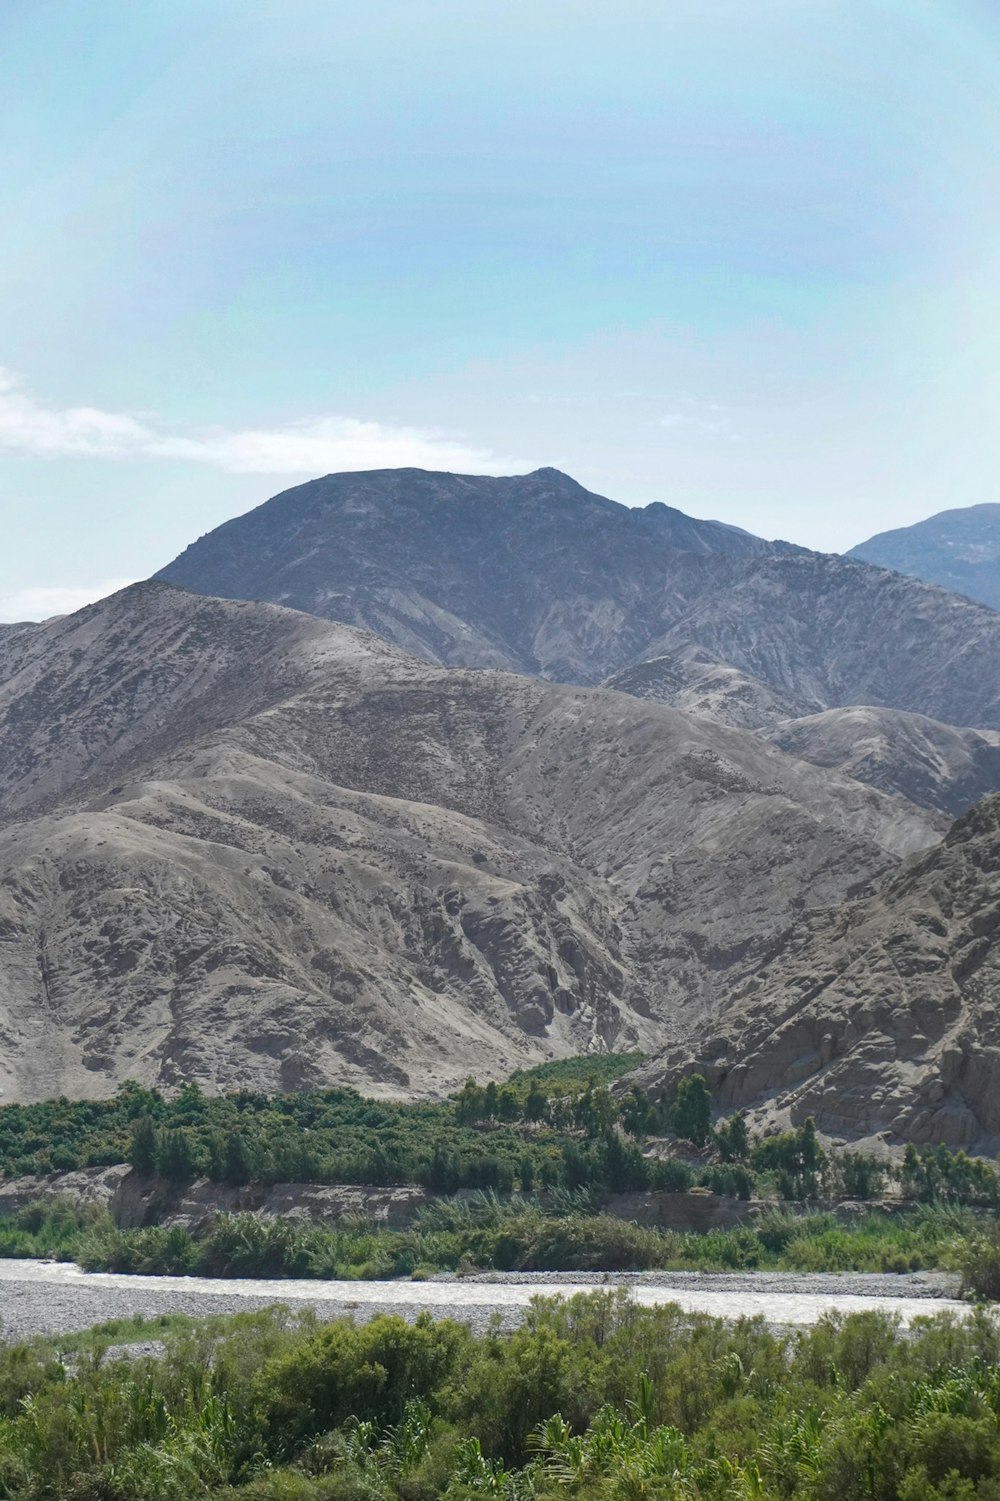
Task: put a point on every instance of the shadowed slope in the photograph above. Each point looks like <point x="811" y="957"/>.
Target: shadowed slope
<point x="536" y="574"/>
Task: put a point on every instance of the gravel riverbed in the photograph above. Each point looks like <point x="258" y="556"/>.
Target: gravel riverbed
<point x="38" y="1297"/>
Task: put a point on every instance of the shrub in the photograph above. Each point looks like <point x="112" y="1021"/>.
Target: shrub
<point x="979" y="1264"/>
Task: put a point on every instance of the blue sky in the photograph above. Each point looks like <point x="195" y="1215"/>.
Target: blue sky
<point x="742" y="259"/>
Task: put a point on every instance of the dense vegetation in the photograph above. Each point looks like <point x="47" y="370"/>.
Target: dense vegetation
<point x="554" y="1127"/>
<point x="531" y="1131"/>
<point x="483" y="1232"/>
<point x="593" y="1398"/>
<point x="537" y="1154"/>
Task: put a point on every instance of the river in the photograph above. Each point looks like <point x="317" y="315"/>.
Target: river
<point x="54" y="1297"/>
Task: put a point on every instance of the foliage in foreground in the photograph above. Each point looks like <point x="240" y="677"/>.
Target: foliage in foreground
<point x="593" y="1398"/>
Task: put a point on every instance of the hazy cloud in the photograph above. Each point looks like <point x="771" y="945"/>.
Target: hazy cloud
<point x="314" y="445"/>
<point x="41" y="603"/>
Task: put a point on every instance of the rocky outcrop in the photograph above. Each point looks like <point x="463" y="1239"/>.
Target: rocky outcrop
<point x="133" y="1200"/>
<point x="880" y="1017"/>
<point x="252" y="848"/>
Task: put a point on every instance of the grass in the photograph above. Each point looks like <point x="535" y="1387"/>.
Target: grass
<point x="570" y="1075"/>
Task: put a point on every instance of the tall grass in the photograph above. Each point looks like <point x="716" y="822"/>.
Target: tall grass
<point x="486" y="1232"/>
<point x="489" y="1233"/>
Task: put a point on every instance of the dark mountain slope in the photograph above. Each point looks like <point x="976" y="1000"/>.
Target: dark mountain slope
<point x="532" y="573"/>
<point x="536" y="574"/>
<point x="829" y="633"/>
<point x="958" y="549"/>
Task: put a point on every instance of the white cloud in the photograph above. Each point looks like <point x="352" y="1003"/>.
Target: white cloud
<point x="315" y="445"/>
<point x="705" y="419"/>
<point x="44" y="602"/>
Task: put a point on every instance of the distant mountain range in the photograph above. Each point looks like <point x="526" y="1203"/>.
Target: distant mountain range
<point x="960" y="550"/>
<point x="537" y="575"/>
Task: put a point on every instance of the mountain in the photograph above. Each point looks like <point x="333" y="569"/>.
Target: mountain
<point x="531" y="573"/>
<point x="931" y="764"/>
<point x="877" y="1017"/>
<point x="537" y="575"/>
<point x="243" y="845"/>
<point x="960" y="550"/>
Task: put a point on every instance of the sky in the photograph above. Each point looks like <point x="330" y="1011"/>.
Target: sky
<point x="743" y="259"/>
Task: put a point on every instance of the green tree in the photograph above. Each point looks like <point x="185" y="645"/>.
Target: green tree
<point x="143" y="1151"/>
<point x="175" y="1159"/>
<point x="691" y="1115"/>
<point x="595" y="1112"/>
<point x="536" y="1103"/>
<point x="238" y="1161"/>
<point x="625" y="1168"/>
<point x="508" y="1105"/>
<point x="470" y="1103"/>
<point x="638" y="1116"/>
<point x="733" y="1139"/>
<point x="444" y="1173"/>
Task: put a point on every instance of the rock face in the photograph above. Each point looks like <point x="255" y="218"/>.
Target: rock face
<point x="879" y="1017"/>
<point x="958" y="549"/>
<point x="932" y="764"/>
<point x="538" y="575"/>
<point x="246" y="846"/>
<point x="134" y="1201"/>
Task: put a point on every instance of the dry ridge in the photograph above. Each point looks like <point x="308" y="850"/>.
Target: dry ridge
<point x="247" y="846"/>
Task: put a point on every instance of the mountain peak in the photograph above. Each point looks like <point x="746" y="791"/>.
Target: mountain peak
<point x="547" y="472"/>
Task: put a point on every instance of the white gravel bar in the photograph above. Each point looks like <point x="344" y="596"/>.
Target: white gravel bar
<point x="56" y="1297"/>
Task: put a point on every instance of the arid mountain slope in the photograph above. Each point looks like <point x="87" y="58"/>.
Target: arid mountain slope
<point x="298" y="855"/>
<point x="928" y="763"/>
<point x="957" y="549"/>
<point x="881" y="1016"/>
<point x="689" y="679"/>
<point x="536" y="574"/>
<point x="145" y="671"/>
<point x="826" y="633"/>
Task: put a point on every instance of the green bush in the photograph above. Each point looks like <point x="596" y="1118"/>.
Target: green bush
<point x="592" y="1398"/>
<point x="979" y="1263"/>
